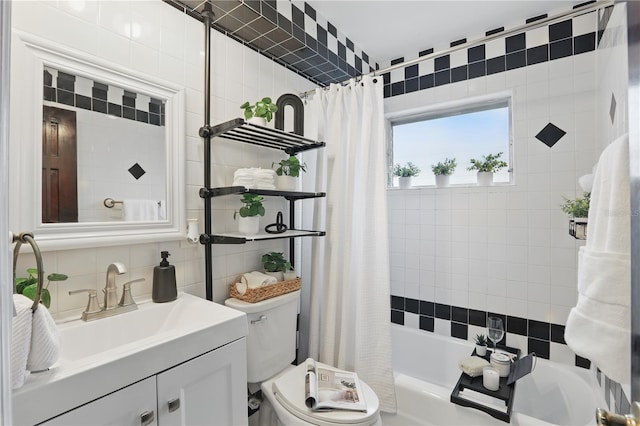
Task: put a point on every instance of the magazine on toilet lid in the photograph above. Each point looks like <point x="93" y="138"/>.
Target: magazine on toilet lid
<point x="289" y="390"/>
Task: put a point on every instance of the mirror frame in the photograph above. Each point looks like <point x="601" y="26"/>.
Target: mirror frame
<point x="29" y="55"/>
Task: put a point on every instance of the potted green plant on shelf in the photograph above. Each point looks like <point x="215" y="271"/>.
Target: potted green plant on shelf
<point x="481" y="344"/>
<point x="443" y="170"/>
<point x="259" y="113"/>
<point x="405" y="173"/>
<point x="28" y="286"/>
<point x="249" y="220"/>
<point x="275" y="264"/>
<point x="578" y="211"/>
<point x="486" y="167"/>
<point x="288" y="172"/>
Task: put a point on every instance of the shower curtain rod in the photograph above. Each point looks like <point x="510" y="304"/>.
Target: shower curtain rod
<point x="518" y="29"/>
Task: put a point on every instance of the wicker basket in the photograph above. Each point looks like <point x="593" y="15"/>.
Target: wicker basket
<point x="261" y="293"/>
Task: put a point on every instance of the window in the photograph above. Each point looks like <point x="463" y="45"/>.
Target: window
<point x="462" y="133"/>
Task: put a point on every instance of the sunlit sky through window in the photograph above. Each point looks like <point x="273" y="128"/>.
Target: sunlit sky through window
<point x="463" y="136"/>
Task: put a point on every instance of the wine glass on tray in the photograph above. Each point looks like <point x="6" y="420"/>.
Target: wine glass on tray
<point x="495" y="330"/>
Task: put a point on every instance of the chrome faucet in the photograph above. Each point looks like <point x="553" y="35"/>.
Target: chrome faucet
<point x="111" y="305"/>
<point x="110" y="290"/>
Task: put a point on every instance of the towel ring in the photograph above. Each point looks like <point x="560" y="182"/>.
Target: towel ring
<point x="22" y="238"/>
<point x="276" y="228"/>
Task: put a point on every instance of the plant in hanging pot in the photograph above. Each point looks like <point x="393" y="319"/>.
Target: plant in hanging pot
<point x="405" y="173"/>
<point x="578" y="211"/>
<point x="443" y="170"/>
<point x="249" y="220"/>
<point x="259" y="113"/>
<point x="288" y="172"/>
<point x="490" y="164"/>
<point x="275" y="264"/>
<point x="481" y="344"/>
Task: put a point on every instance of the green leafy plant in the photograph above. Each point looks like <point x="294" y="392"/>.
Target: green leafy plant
<point x="28" y="286"/>
<point x="264" y="108"/>
<point x="445" y="167"/>
<point x="578" y="207"/>
<point x="275" y="262"/>
<point x="490" y="163"/>
<point x="481" y="340"/>
<point x="290" y="167"/>
<point x="408" y="170"/>
<point x="252" y="206"/>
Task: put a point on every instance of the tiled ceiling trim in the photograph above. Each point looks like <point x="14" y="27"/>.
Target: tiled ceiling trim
<point x="299" y="39"/>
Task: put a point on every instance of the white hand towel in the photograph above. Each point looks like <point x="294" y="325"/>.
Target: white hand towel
<point x="45" y="341"/>
<point x="140" y="210"/>
<point x="20" y="340"/>
<point x="598" y="327"/>
<point x="257" y="279"/>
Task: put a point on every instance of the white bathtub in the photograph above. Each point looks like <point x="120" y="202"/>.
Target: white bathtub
<point x="426" y="370"/>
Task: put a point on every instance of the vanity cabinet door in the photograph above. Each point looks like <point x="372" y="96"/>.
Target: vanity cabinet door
<point x="208" y="390"/>
<point x="134" y="405"/>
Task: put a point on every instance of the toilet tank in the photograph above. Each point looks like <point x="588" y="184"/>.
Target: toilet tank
<point x="271" y="342"/>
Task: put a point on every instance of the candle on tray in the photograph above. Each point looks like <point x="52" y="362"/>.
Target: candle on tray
<point x="490" y="378"/>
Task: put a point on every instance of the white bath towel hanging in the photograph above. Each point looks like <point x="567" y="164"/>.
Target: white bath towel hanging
<point x="141" y="210"/>
<point x="45" y="341"/>
<point x="20" y="340"/>
<point x="598" y="327"/>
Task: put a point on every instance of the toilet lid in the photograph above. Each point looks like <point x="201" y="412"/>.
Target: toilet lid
<point x="289" y="391"/>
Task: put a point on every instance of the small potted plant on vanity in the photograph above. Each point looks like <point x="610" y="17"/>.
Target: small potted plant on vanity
<point x="259" y="113"/>
<point x="443" y="170"/>
<point x="405" y="173"/>
<point x="249" y="220"/>
<point x="578" y="211"/>
<point x="481" y="344"/>
<point x="486" y="167"/>
<point x="288" y="172"/>
<point x="275" y="264"/>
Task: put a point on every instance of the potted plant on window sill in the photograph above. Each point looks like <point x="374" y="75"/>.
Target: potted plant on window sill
<point x="405" y="173"/>
<point x="259" y="113"/>
<point x="275" y="264"/>
<point x="249" y="220"/>
<point x="288" y="172"/>
<point x="443" y="170"/>
<point x="481" y="344"/>
<point x="490" y="164"/>
<point x="578" y="211"/>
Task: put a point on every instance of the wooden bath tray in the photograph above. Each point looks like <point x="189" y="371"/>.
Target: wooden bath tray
<point x="504" y="393"/>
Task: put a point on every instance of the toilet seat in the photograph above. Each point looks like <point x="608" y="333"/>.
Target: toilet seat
<point x="287" y="391"/>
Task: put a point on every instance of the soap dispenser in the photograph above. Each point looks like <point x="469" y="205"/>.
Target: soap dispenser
<point x="164" y="281"/>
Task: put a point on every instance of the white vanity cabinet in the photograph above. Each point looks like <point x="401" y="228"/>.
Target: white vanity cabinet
<point x="207" y="390"/>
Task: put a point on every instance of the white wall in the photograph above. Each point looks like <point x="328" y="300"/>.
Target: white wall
<point x="169" y="46"/>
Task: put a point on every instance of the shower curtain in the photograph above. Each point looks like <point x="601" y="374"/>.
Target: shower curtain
<point x="349" y="314"/>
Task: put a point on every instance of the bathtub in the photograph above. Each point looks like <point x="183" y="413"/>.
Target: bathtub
<point x="426" y="370"/>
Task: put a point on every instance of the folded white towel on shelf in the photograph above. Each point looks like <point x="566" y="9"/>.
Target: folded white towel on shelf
<point x="598" y="327"/>
<point x="45" y="341"/>
<point x="141" y="210"/>
<point x="257" y="279"/>
<point x="254" y="178"/>
<point x="20" y="340"/>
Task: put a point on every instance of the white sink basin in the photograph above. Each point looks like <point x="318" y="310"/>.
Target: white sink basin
<point x="100" y="356"/>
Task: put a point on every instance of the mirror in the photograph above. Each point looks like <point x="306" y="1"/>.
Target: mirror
<point x="106" y="164"/>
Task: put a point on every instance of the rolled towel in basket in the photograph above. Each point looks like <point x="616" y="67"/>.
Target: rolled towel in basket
<point x="257" y="279"/>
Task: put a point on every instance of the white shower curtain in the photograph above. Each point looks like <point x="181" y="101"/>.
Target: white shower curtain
<point x="350" y="295"/>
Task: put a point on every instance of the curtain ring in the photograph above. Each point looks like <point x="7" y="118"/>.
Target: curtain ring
<point x="276" y="228"/>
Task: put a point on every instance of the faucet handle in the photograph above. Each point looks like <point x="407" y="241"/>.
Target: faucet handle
<point x="126" y="298"/>
<point x="93" y="305"/>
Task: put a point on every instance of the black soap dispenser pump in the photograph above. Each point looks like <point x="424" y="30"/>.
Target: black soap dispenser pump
<point x="164" y="281"/>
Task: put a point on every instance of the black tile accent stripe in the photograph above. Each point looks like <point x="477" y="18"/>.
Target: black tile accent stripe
<point x="494" y="31"/>
<point x="63" y="90"/>
<point x="536" y="18"/>
<point x="458" y="42"/>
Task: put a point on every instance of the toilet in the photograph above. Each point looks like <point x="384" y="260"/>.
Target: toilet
<point x="271" y="347"/>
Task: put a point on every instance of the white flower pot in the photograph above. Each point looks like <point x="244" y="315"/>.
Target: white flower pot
<point x="404" y="182"/>
<point x="278" y="275"/>
<point x="260" y="121"/>
<point x="287" y="183"/>
<point x="249" y="225"/>
<point x="485" y="178"/>
<point x="290" y="275"/>
<point x="442" y="181"/>
<point x="481" y="350"/>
